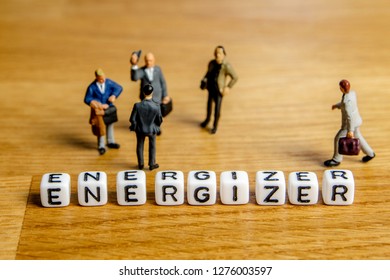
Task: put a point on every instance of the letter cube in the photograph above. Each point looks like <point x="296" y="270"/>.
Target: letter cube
<point x="303" y="188"/>
<point x="201" y="188"/>
<point x="338" y="187"/>
<point x="270" y="187"/>
<point x="169" y="188"/>
<point x="92" y="188"/>
<point x="131" y="187"/>
<point x="234" y="187"/>
<point x="55" y="190"/>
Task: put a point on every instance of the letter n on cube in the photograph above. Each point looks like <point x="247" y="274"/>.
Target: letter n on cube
<point x="92" y="188"/>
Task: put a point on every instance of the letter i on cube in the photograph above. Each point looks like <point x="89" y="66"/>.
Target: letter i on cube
<point x="201" y="188"/>
<point x="169" y="188"/>
<point x="55" y="190"/>
<point x="92" y="188"/>
<point x="270" y="187"/>
<point x="338" y="187"/>
<point x="303" y="188"/>
<point x="131" y="187"/>
<point x="234" y="187"/>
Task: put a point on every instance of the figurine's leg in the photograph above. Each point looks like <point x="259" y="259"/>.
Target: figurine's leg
<point x="101" y="144"/>
<point x="152" y="150"/>
<point x="217" y="113"/>
<point x="111" y="138"/>
<point x="336" y="156"/>
<point x="140" y="149"/>
<point x="110" y="133"/>
<point x="209" y="109"/>
<point x="363" y="143"/>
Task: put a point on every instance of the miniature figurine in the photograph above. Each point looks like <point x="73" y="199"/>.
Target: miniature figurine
<point x="145" y="120"/>
<point x="350" y="123"/>
<point x="218" y="84"/>
<point x="100" y="96"/>
<point x="153" y="75"/>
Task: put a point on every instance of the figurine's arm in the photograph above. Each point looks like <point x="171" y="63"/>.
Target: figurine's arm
<point x="163" y="83"/>
<point x="232" y="74"/>
<point x="336" y="106"/>
<point x="98" y="107"/>
<point x="136" y="73"/>
<point x="133" y="119"/>
<point x="203" y="82"/>
<point x="159" y="119"/>
<point x="231" y="79"/>
<point x="349" y="110"/>
<point x="116" y="90"/>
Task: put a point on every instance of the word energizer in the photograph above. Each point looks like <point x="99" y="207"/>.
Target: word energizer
<point x="337" y="188"/>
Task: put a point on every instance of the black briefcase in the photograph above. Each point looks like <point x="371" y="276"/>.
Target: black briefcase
<point x="349" y="146"/>
<point x="166" y="108"/>
<point x="110" y="115"/>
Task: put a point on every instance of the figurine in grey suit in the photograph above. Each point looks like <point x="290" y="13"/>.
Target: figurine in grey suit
<point x="150" y="74"/>
<point x="350" y="125"/>
<point x="219" y="79"/>
<point x="145" y="120"/>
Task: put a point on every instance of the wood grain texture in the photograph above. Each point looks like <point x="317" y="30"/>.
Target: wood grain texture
<point x="14" y="193"/>
<point x="289" y="55"/>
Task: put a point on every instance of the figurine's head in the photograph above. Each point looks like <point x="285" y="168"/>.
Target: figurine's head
<point x="147" y="90"/>
<point x="219" y="54"/>
<point x="149" y="60"/>
<point x="100" y="77"/>
<point x="344" y="86"/>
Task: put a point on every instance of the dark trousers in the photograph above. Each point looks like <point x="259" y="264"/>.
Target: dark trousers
<point x="214" y="97"/>
<point x="140" y="148"/>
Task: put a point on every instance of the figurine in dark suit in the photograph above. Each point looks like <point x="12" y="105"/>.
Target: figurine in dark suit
<point x="145" y="120"/>
<point x="101" y="95"/>
<point x="219" y="79"/>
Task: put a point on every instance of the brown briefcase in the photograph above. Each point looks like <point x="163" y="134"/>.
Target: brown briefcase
<point x="349" y="146"/>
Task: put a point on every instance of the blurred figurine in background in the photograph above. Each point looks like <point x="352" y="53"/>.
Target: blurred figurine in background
<point x="219" y="79"/>
<point x="151" y="74"/>
<point x="100" y="96"/>
<point x="145" y="120"/>
<point x="350" y="123"/>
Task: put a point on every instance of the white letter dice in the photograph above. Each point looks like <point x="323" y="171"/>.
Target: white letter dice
<point x="270" y="187"/>
<point x="303" y="188"/>
<point x="92" y="188"/>
<point x="234" y="187"/>
<point x="131" y="187"/>
<point x="169" y="188"/>
<point x="55" y="190"/>
<point x="338" y="187"/>
<point x="201" y="188"/>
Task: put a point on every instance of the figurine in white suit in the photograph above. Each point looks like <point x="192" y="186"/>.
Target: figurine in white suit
<point x="350" y="123"/>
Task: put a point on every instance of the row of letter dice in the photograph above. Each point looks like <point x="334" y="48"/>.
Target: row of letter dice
<point x="303" y="189"/>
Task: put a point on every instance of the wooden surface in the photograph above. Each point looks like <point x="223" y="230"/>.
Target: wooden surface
<point x="289" y="56"/>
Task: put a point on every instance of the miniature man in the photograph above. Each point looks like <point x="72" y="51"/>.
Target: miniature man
<point x="145" y="120"/>
<point x="100" y="96"/>
<point x="219" y="79"/>
<point x="150" y="74"/>
<point x="350" y="123"/>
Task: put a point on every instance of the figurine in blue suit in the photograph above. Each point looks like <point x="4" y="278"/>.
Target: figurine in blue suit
<point x="100" y="96"/>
